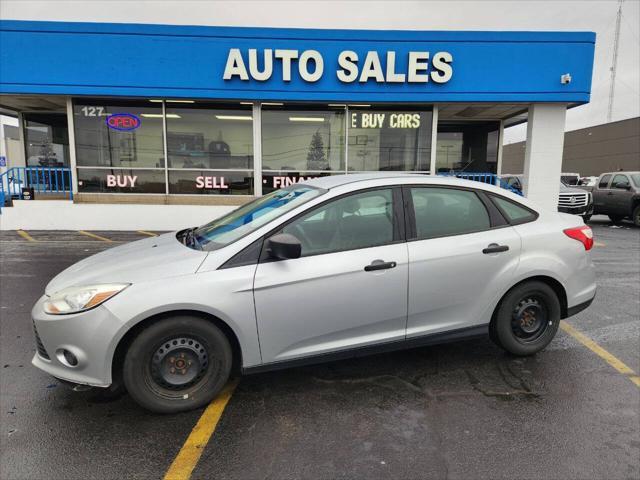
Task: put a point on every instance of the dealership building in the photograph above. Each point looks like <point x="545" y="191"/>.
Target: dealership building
<point x="164" y="126"/>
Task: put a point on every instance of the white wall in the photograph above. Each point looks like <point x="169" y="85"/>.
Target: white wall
<point x="65" y="215"/>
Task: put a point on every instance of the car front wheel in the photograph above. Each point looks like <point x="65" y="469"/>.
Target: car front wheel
<point x="616" y="218"/>
<point x="177" y="364"/>
<point x="636" y="216"/>
<point x="527" y="318"/>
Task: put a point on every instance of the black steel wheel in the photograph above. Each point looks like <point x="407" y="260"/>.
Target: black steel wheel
<point x="527" y="318"/>
<point x="177" y="364"/>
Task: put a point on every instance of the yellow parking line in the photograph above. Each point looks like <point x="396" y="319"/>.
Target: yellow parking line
<point x="190" y="453"/>
<point x="615" y="362"/>
<point x="151" y="234"/>
<point x="93" y="235"/>
<point x="26" y="236"/>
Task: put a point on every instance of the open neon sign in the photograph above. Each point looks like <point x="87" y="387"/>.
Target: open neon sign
<point x="124" y="122"/>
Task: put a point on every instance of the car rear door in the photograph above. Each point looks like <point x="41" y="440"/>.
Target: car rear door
<point x="349" y="287"/>
<point x="462" y="254"/>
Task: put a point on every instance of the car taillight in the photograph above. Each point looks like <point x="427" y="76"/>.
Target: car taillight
<point x="581" y="234"/>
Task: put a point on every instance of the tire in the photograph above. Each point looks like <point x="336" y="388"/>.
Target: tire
<point x="527" y="318"/>
<point x="177" y="364"/>
<point x="636" y="216"/>
<point x="586" y="218"/>
<point x="615" y="218"/>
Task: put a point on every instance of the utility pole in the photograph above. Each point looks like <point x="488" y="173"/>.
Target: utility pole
<point x="614" y="62"/>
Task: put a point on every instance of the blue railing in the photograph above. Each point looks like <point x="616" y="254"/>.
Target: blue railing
<point x="43" y="180"/>
<point x="490" y="178"/>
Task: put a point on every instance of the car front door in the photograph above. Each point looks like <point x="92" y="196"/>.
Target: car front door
<point x="621" y="195"/>
<point x="602" y="196"/>
<point x="349" y="287"/>
<point x="462" y="255"/>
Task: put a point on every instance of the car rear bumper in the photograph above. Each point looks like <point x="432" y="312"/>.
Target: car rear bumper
<point x="571" y="311"/>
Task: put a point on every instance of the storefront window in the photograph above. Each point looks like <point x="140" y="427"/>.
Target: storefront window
<point x="301" y="143"/>
<point x="468" y="146"/>
<point x="46" y="139"/>
<point x="389" y="140"/>
<point x="205" y="136"/>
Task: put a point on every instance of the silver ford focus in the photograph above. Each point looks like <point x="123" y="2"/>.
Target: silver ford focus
<point x="325" y="269"/>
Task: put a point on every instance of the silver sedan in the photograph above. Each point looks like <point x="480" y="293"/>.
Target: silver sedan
<point x="324" y="269"/>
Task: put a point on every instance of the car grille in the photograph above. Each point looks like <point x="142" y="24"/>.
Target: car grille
<point x="41" y="350"/>
<point x="573" y="199"/>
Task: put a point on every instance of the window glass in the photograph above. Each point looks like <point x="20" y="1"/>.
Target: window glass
<point x="389" y="140"/>
<point x="446" y="211"/>
<point x="634" y="176"/>
<point x="46" y="139"/>
<point x="356" y="221"/>
<point x="118" y="180"/>
<point x="604" y="181"/>
<point x="514" y="212"/>
<point x="249" y="217"/>
<point x="205" y="136"/>
<point x="620" y="181"/>
<point x="307" y="142"/>
<point x="119" y="134"/>
<point x="471" y="146"/>
<point x="211" y="182"/>
<point x="273" y="180"/>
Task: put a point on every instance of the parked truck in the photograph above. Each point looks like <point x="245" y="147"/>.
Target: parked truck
<point x="617" y="194"/>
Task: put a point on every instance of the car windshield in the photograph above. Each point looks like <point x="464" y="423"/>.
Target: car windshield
<point x="246" y="219"/>
<point x="636" y="179"/>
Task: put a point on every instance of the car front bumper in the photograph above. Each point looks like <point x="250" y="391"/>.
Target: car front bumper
<point x="89" y="336"/>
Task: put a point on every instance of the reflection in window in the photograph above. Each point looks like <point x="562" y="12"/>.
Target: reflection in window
<point x="46" y="139"/>
<point x="389" y="140"/>
<point x="303" y="140"/>
<point x="119" y="134"/>
<point x="447" y="211"/>
<point x="467" y="146"/>
<point x="208" y="136"/>
<point x="356" y="221"/>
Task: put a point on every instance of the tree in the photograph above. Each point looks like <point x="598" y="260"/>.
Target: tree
<point x="315" y="158"/>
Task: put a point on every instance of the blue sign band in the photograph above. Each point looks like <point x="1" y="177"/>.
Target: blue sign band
<point x="189" y="62"/>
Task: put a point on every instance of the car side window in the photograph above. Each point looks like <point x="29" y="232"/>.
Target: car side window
<point x="356" y="221"/>
<point x="604" y="181"/>
<point x="442" y="212"/>
<point x="514" y="212"/>
<point x="620" y="181"/>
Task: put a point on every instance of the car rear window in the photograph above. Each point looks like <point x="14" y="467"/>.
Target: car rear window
<point x="515" y="213"/>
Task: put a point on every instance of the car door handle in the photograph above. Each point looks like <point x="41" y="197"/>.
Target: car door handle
<point x="495" y="248"/>
<point x="379" y="265"/>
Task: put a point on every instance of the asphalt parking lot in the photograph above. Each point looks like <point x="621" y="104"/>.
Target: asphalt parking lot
<point x="463" y="410"/>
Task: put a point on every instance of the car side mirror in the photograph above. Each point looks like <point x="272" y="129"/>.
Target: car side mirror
<point x="284" y="246"/>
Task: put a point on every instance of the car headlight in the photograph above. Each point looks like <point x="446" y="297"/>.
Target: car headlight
<point x="79" y="299"/>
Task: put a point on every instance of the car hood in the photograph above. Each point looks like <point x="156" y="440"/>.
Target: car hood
<point x="565" y="189"/>
<point x="148" y="259"/>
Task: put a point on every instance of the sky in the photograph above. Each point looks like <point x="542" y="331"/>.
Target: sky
<point x="577" y="15"/>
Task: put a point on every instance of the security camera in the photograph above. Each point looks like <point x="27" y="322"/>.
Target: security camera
<point x="565" y="79"/>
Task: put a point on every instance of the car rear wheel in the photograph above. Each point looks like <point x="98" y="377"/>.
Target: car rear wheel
<point x="636" y="216"/>
<point x="527" y="318"/>
<point x="177" y="364"/>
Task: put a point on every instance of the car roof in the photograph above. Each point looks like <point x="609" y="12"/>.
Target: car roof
<point x="379" y="179"/>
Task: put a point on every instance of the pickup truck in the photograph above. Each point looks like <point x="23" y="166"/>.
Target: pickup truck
<point x="571" y="200"/>
<point x="617" y="194"/>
